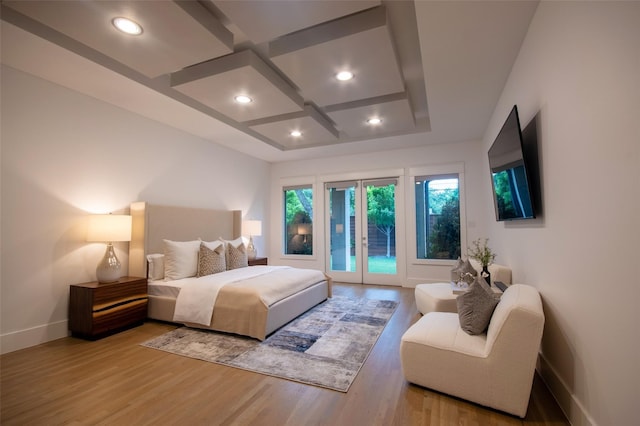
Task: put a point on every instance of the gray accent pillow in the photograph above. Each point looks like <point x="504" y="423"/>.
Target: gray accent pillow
<point x="475" y="307"/>
<point x="211" y="261"/>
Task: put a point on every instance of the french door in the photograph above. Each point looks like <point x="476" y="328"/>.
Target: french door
<point x="361" y="231"/>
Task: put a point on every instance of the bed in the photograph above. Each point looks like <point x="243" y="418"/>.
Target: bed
<point x="239" y="306"/>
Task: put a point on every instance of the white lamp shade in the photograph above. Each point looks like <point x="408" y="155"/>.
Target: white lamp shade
<point x="252" y="228"/>
<point x="109" y="228"/>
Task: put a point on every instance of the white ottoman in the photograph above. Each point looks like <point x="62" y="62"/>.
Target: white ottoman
<point x="436" y="297"/>
<point x="439" y="297"/>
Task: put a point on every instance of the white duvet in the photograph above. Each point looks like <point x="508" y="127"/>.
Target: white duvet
<point x="197" y="296"/>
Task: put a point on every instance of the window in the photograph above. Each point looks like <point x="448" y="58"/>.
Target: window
<point x="437" y="216"/>
<point x="298" y="220"/>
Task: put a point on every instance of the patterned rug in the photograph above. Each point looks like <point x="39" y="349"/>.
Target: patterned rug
<point x="326" y="346"/>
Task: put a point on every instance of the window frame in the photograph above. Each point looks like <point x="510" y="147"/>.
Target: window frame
<point x="445" y="170"/>
<point x="290" y="185"/>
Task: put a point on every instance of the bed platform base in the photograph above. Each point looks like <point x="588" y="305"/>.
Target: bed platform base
<point x="162" y="308"/>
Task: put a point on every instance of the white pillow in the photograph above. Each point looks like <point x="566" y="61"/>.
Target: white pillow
<point x="156" y="266"/>
<point x="213" y="244"/>
<point x="180" y="259"/>
<point x="237" y="242"/>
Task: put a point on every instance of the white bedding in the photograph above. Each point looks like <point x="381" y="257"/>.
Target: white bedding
<point x="165" y="288"/>
<point x="197" y="296"/>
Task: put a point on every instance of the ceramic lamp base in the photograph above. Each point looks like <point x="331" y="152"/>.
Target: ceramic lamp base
<point x="108" y="270"/>
<point x="252" y="252"/>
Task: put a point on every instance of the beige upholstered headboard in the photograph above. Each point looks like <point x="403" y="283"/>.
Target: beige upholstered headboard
<point x="153" y="223"/>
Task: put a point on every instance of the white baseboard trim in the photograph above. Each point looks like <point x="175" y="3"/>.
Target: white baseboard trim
<point x="21" y="339"/>
<point x="568" y="402"/>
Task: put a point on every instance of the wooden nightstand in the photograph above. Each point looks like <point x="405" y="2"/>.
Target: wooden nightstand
<point x="259" y="261"/>
<point x="96" y="310"/>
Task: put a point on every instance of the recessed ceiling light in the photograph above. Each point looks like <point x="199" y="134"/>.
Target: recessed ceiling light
<point x="243" y="99"/>
<point x="127" y="26"/>
<point x="344" y="75"/>
<point x="374" y="121"/>
<point x="296" y="133"/>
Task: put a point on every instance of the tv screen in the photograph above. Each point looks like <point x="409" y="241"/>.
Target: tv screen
<point x="510" y="179"/>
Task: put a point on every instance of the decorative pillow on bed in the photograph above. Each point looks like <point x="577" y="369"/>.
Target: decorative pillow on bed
<point x="156" y="266"/>
<point x="237" y="256"/>
<point x="241" y="259"/>
<point x="211" y="261"/>
<point x="180" y="259"/>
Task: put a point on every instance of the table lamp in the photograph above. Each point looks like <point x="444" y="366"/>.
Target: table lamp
<point x="252" y="228"/>
<point x="109" y="228"/>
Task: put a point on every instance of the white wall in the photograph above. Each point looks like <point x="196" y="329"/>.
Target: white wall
<point x="376" y="164"/>
<point x="579" y="71"/>
<point x="65" y="155"/>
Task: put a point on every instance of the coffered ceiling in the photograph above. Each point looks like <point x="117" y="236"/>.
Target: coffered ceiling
<point x="283" y="55"/>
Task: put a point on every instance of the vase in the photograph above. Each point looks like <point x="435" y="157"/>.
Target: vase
<point x="486" y="274"/>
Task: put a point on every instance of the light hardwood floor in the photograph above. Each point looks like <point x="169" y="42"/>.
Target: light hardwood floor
<point x="115" y="381"/>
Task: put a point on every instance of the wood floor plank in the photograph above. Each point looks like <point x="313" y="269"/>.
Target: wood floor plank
<point x="116" y="381"/>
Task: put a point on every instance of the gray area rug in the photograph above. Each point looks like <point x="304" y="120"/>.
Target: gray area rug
<point x="326" y="346"/>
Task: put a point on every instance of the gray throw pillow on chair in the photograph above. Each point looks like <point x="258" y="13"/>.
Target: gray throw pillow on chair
<point x="475" y="307"/>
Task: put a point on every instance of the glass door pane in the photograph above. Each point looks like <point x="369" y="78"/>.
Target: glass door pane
<point x="379" y="219"/>
<point x="343" y="232"/>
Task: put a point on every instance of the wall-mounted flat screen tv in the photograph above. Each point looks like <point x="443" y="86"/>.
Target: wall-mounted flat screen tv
<point x="510" y="179"/>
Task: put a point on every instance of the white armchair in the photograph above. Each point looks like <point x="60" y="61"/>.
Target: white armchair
<point x="494" y="369"/>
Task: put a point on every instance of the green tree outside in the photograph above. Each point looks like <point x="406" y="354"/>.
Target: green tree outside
<point x="444" y="238"/>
